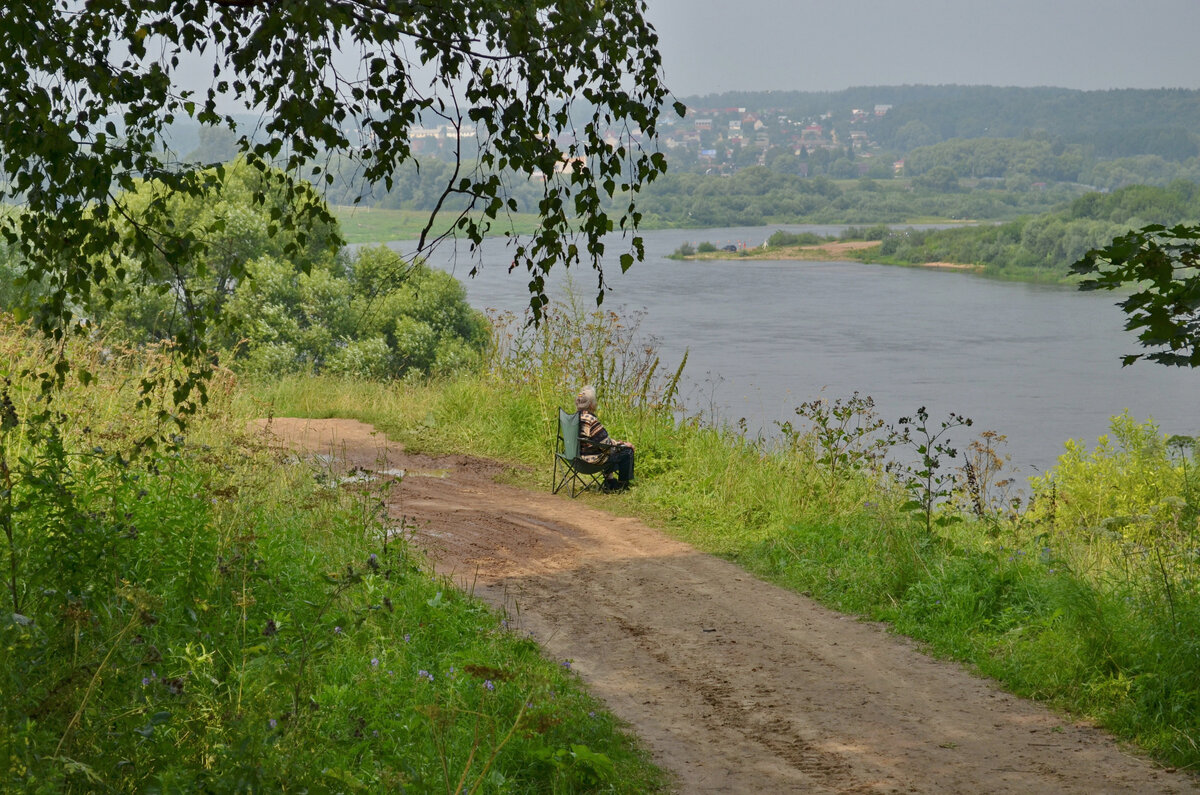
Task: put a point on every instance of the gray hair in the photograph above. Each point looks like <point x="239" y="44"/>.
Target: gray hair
<point x="586" y="400"/>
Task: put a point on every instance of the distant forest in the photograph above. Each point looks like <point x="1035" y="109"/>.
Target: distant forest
<point x="1042" y="246"/>
<point x="1115" y="123"/>
<point x="882" y="154"/>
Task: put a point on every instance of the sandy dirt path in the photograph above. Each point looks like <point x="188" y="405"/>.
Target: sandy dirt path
<point x="735" y="685"/>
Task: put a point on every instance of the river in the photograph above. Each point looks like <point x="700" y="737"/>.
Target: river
<point x="1040" y="364"/>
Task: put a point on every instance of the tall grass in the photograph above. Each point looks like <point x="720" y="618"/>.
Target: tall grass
<point x="214" y="615"/>
<point x="1092" y="606"/>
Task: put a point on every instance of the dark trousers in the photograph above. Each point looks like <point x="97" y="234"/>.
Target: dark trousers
<point x="620" y="461"/>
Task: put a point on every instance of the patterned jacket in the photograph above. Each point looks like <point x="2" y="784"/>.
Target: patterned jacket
<point x="591" y="436"/>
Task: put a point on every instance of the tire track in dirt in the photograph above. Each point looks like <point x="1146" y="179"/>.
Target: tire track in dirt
<point x="737" y="686"/>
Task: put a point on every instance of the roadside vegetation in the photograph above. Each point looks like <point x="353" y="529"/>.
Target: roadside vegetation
<point x="186" y="607"/>
<point x="214" y="614"/>
<point x="1081" y="588"/>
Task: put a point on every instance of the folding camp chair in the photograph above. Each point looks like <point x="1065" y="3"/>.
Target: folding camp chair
<point x="578" y="474"/>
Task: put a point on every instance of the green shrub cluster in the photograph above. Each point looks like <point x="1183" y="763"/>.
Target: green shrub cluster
<point x="284" y="301"/>
<point x="781" y="239"/>
<point x="213" y="615"/>
<point x="373" y="317"/>
<point x="1047" y="244"/>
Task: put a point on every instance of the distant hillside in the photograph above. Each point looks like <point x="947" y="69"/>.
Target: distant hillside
<point x="1117" y="123"/>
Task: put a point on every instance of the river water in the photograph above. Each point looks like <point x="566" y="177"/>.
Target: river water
<point x="1037" y="363"/>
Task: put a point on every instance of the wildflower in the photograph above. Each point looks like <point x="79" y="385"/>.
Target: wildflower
<point x="566" y="664"/>
<point x="407" y="637"/>
<point x="145" y="681"/>
<point x="337" y="630"/>
<point x="423" y="674"/>
<point x="592" y="714"/>
<point x="374" y="662"/>
<point x="272" y="723"/>
<point x="487" y="684"/>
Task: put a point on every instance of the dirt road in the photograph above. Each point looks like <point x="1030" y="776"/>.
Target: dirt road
<point x="736" y="685"/>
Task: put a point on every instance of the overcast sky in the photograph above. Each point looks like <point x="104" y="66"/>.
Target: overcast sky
<point x="710" y="46"/>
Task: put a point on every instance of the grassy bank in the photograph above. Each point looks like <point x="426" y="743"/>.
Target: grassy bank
<point x="1085" y="596"/>
<point x="215" y="615"/>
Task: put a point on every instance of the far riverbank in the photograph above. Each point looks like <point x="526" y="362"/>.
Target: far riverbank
<point x="835" y="251"/>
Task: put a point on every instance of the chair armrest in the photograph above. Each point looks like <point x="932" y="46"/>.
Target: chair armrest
<point x="606" y="448"/>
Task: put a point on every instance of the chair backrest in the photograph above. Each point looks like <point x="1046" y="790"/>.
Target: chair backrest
<point x="568" y="431"/>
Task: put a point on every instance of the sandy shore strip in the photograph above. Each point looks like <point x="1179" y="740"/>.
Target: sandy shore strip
<point x="840" y="251"/>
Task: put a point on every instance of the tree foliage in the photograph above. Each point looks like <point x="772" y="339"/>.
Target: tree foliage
<point x="316" y="309"/>
<point x="1161" y="265"/>
<point x="90" y="90"/>
<point x="1045" y="244"/>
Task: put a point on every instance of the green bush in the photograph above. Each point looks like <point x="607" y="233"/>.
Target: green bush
<point x="282" y="301"/>
<point x="375" y="317"/>
<point x="780" y="238"/>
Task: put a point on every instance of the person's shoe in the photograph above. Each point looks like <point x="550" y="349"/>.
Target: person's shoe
<point x="615" y="485"/>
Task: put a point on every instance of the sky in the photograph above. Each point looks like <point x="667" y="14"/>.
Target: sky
<point x="712" y="46"/>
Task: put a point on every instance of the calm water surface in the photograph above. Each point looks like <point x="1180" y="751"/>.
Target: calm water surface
<point x="1039" y="364"/>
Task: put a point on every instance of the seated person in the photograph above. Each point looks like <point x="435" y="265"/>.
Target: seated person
<point x="594" y="439"/>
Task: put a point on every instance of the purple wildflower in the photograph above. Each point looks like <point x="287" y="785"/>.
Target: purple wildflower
<point x="374" y="662"/>
<point x="487" y="684"/>
<point x="272" y="723"/>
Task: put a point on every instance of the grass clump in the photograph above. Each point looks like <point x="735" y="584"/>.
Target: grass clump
<point x="210" y="614"/>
